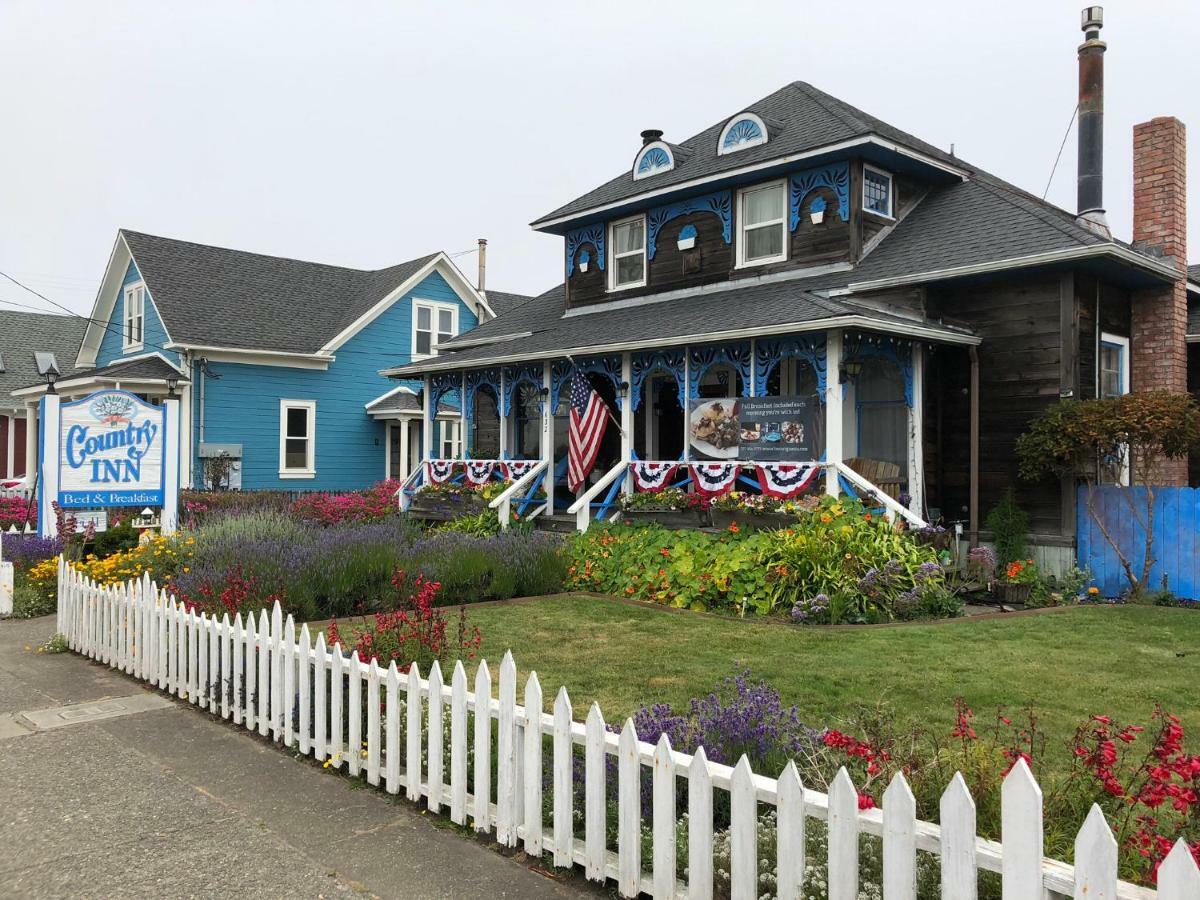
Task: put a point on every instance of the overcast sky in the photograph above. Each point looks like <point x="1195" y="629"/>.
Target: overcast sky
<point x="364" y="134"/>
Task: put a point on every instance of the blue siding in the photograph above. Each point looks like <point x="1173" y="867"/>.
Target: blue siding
<point x="242" y="405"/>
<point x="155" y="334"/>
<point x="1122" y="509"/>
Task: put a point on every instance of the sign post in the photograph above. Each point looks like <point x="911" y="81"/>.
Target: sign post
<point x="109" y="449"/>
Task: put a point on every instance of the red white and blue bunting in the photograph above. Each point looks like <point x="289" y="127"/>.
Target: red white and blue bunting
<point x="652" y="476"/>
<point x="440" y="470"/>
<point x="516" y="469"/>
<point x="712" y="479"/>
<point x="785" y="480"/>
<point x="479" y="471"/>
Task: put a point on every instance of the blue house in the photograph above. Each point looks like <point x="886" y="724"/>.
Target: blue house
<point x="276" y="361"/>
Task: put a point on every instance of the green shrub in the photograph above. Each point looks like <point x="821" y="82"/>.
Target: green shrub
<point x="1010" y="529"/>
<point x="115" y="539"/>
<point x="29" y="602"/>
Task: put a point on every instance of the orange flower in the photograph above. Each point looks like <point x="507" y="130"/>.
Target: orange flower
<point x="733" y="528"/>
<point x="664" y="551"/>
<point x="867" y="516"/>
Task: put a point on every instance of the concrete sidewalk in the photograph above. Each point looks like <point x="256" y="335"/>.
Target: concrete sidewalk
<point x="160" y="800"/>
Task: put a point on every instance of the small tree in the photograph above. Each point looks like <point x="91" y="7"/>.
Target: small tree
<point x="1134" y="433"/>
<point x="217" y="470"/>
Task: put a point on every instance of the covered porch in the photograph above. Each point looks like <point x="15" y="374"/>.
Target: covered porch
<point x="865" y="434"/>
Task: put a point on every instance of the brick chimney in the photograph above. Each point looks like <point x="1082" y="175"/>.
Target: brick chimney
<point x="1159" y="347"/>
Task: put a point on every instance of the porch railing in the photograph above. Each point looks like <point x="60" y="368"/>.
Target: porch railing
<point x="892" y="507"/>
<point x="524" y="490"/>
<point x="610" y="482"/>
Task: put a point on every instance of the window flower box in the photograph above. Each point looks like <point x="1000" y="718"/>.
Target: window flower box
<point x="444" y="503"/>
<point x="670" y="507"/>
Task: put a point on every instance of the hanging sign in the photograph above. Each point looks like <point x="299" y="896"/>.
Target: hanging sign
<point x="111" y="452"/>
<point x="762" y="429"/>
<point x="108" y="449"/>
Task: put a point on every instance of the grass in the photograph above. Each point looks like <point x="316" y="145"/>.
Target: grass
<point x="1067" y="664"/>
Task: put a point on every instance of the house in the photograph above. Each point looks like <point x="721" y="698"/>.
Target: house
<point x="275" y="361"/>
<point x="803" y="247"/>
<point x="22" y="334"/>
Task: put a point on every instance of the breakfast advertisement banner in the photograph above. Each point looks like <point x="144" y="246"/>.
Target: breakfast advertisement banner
<point x="762" y="429"/>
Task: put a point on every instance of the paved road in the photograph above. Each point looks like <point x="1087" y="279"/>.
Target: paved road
<point x="160" y="800"/>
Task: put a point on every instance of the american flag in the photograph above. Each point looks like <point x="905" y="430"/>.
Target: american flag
<point x="589" y="418"/>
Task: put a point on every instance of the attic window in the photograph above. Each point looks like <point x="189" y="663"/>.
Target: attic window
<point x="652" y="159"/>
<point x="877" y="191"/>
<point x="135" y="317"/>
<point x="740" y="133"/>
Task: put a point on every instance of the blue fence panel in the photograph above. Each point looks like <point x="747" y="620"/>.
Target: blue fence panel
<point x="1122" y="510"/>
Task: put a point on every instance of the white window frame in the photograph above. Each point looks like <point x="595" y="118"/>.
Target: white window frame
<point x="450" y="431"/>
<point x="1116" y="340"/>
<point x="133" y="294"/>
<point x="722" y="150"/>
<point x="434" y="307"/>
<point x="612" y="255"/>
<point x="781" y="223"/>
<point x="310" y="468"/>
<point x="891" y="194"/>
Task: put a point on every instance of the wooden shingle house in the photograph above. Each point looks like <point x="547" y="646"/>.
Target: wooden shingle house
<point x="802" y="248"/>
<point x="276" y="361"/>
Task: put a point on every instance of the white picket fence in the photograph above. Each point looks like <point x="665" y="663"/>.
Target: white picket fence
<point x="266" y="677"/>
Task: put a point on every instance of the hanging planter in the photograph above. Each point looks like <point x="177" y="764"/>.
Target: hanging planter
<point x="687" y="237"/>
<point x="584" y="259"/>
<point x="816" y="211"/>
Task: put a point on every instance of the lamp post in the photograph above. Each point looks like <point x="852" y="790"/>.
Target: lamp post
<point x="172" y="383"/>
<point x="47" y="367"/>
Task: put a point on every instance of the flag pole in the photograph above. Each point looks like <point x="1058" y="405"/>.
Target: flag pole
<point x="611" y="417"/>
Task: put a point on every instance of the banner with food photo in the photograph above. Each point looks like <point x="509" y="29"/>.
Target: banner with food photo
<point x="763" y="429"/>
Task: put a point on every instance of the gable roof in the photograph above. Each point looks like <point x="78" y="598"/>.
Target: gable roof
<point x="217" y="297"/>
<point x="799" y="117"/>
<point x="503" y="302"/>
<point x="22" y="334"/>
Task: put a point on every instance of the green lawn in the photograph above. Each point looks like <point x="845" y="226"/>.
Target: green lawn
<point x="1067" y="664"/>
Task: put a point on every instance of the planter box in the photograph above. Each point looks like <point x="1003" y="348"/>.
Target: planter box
<point x="760" y="521"/>
<point x="1012" y="594"/>
<point x="442" y="508"/>
<point x="668" y="518"/>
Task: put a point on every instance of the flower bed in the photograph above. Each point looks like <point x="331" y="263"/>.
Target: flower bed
<point x="447" y="501"/>
<point x="669" y="507"/>
<point x="836" y="563"/>
<point x="16" y="512"/>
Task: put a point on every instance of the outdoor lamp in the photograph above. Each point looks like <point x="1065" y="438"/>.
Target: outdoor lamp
<point x="851" y="369"/>
<point x="47" y="367"/>
<point x="172" y="383"/>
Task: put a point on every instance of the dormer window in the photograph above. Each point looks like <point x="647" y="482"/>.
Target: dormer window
<point x="652" y="159"/>
<point x="877" y="191"/>
<point x="740" y="133"/>
<point x="628" y="243"/>
<point x="134" y="332"/>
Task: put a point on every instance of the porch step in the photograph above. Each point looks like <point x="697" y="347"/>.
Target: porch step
<point x="560" y="522"/>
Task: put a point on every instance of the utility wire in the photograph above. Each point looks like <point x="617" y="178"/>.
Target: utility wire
<point x="1054" y="168"/>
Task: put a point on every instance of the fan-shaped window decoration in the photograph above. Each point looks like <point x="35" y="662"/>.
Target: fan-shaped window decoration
<point x="652" y="159"/>
<point x="742" y="131"/>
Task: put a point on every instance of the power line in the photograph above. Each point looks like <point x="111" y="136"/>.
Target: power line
<point x="1054" y="168"/>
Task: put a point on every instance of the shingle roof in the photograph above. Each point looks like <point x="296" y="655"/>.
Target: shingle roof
<point x="213" y="296"/>
<point x="23" y="333"/>
<point x="148" y="367"/>
<point x="799" y="118"/>
<point x="726" y="308"/>
<point x="503" y="302"/>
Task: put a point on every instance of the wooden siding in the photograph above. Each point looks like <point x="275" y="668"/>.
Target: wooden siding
<point x="1113" y="305"/>
<point x="155" y="333"/>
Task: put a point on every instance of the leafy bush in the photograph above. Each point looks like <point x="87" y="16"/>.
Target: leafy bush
<point x="1010" y="528"/>
<point x="377" y="502"/>
<point x="30" y="600"/>
<point x="471" y="568"/>
<point x="25" y="550"/>
<point x="200" y="507"/>
<point x="16" y="511"/>
<point x="122" y="536"/>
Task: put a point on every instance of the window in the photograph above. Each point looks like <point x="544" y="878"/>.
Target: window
<point x="1114" y="369"/>
<point x="297" y="438"/>
<point x="134" y="332"/>
<point x="740" y="133"/>
<point x="762" y="223"/>
<point x="653" y="158"/>
<point x="628" y="243"/>
<point x="449" y="439"/>
<point x="433" y="324"/>
<point x="877" y="191"/>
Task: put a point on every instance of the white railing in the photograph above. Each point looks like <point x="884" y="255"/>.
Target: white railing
<point x="893" y="507"/>
<point x="21" y="489"/>
<point x="503" y="503"/>
<point x="582" y="507"/>
<point x="403" y="499"/>
<point x="264" y="676"/>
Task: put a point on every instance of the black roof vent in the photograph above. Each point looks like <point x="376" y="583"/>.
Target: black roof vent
<point x="650" y="135"/>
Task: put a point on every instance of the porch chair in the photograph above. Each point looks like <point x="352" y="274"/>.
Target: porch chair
<point x="884" y="475"/>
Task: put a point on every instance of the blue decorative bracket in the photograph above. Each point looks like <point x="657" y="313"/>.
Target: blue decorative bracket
<point x="671" y="362"/>
<point x="897" y="351"/>
<point x="701" y="359"/>
<point x="608" y="366"/>
<point x="719" y="204"/>
<point x="589" y="234"/>
<point x="835" y="177"/>
<point x="475" y="380"/>
<point x="770" y="352"/>
<point x="514" y="378"/>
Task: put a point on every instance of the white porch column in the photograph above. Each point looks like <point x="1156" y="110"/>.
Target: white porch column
<point x="466" y="444"/>
<point x="169" y="517"/>
<point x="187" y="451"/>
<point x="31" y="441"/>
<point x="627" y="416"/>
<point x="686" y="401"/>
<point x="548" y="433"/>
<point x="833" y="406"/>
<point x="10" y="449"/>
<point x="48" y="453"/>
<point x="405" y="463"/>
<point x="916" y="433"/>
<point x="430" y="420"/>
